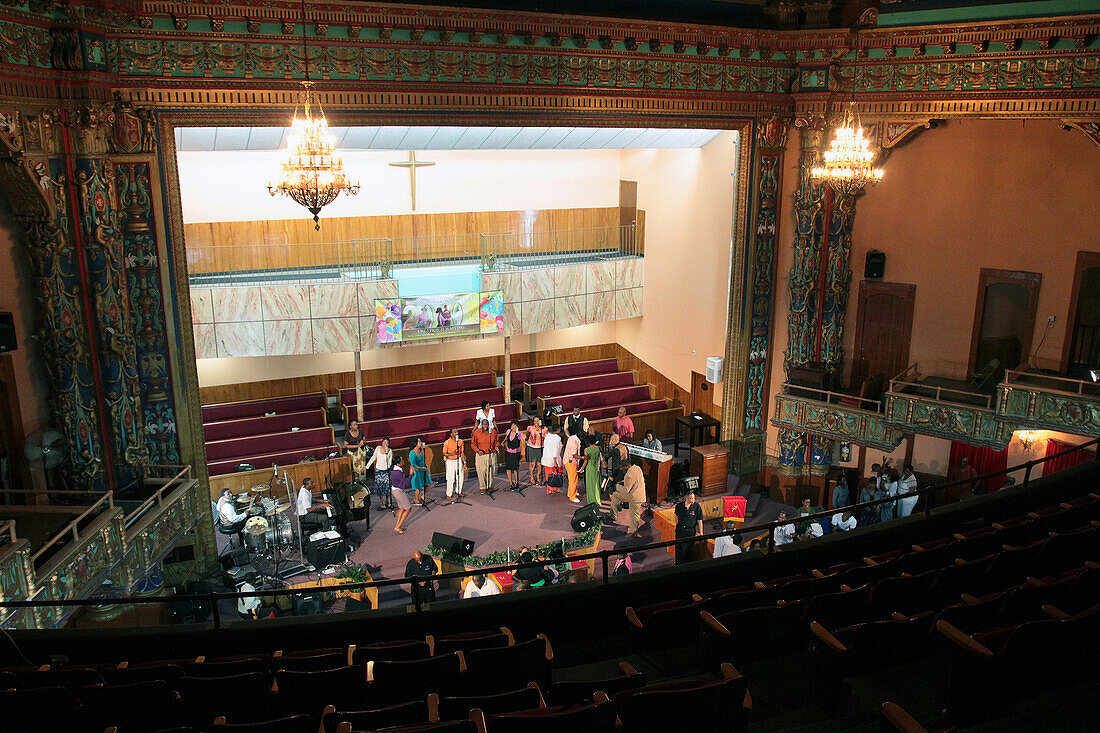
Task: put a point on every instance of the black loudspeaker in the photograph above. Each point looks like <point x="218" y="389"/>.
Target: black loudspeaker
<point x="7" y="332"/>
<point x="584" y="518"/>
<point x="190" y="612"/>
<point x="452" y="544"/>
<point x="236" y="557"/>
<point x="875" y="266"/>
<point x="323" y="553"/>
<point x="307" y="605"/>
<point x="682" y="486"/>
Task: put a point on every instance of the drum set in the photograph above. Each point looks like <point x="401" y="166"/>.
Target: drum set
<point x="267" y="527"/>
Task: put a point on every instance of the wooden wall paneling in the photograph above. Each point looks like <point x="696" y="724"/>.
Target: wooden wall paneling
<point x="661" y="422"/>
<point x="339" y="469"/>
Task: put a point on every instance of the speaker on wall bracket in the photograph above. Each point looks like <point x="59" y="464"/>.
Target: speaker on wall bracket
<point x="874" y="267"/>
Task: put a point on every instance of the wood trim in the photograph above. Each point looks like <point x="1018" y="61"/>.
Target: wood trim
<point x="11" y="425"/>
<point x="1085" y="261"/>
<point x="1031" y="281"/>
<point x="868" y="288"/>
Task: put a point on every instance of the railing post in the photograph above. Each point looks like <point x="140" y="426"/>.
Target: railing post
<point x="215" y="610"/>
<point x="414" y="586"/>
<point x="771" y="540"/>
<point x="1027" y="472"/>
<point x="603" y="560"/>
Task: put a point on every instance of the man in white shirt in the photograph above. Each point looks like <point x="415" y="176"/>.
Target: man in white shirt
<point x="486" y="413"/>
<point x="728" y="544"/>
<point x="843" y="522"/>
<point x="906" y="486"/>
<point x="247" y="607"/>
<point x="480" y="586"/>
<point x="308" y="512"/>
<point x="783" y="534"/>
<point x="551" y="458"/>
<point x="227" y="512"/>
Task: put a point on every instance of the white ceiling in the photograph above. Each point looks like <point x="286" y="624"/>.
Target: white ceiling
<point x="450" y="138"/>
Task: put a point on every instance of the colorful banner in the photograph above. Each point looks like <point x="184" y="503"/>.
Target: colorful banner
<point x="439" y="316"/>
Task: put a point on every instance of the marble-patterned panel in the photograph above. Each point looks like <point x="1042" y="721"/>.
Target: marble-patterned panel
<point x="288" y="337"/>
<point x="285" y="302"/>
<point x="202" y="306"/>
<point x="537" y="315"/>
<point x="239" y="339"/>
<point x="537" y="284"/>
<point x="205" y="345"/>
<point x="600" y="307"/>
<point x="511" y="283"/>
<point x="601" y="277"/>
<point x="628" y="303"/>
<point x="570" y="280"/>
<point x="335" y="335"/>
<point x="569" y="312"/>
<point x="632" y="272"/>
<point x="368" y="337"/>
<point x="236" y="304"/>
<point x="373" y="289"/>
<point x="334" y="300"/>
<point x="512" y="324"/>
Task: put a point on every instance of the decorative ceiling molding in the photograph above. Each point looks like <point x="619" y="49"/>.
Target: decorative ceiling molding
<point x="1090" y="128"/>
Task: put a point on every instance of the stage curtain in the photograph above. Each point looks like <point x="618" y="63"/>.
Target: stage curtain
<point x="982" y="460"/>
<point x="1054" y="465"/>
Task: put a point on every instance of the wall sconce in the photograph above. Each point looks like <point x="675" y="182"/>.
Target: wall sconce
<point x="1027" y="438"/>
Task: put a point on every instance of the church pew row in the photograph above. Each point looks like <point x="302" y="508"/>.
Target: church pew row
<point x="256" y="408"/>
<point x="264" y="425"/>
<point x="427" y="403"/>
<point x="431" y="421"/>
<point x="591" y="383"/>
<point x="601" y="398"/>
<point x="661" y="421"/>
<point x="439" y="385"/>
<point x="266" y="460"/>
<point x="632" y="408"/>
<point x="255" y="445"/>
<point x="402" y="444"/>
<point x="532" y="375"/>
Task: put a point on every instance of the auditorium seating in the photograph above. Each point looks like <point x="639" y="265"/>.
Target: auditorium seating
<point x="263" y="425"/>
<point x="256" y="408"/>
<point x="433" y="421"/>
<point x="532" y="375"/>
<point x="601" y="398"/>
<point x="261" y="451"/>
<point x="402" y="390"/>
<point x="470" y="399"/>
<point x="576" y="385"/>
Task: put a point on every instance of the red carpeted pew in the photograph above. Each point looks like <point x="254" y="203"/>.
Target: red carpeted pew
<point x="264" y="425"/>
<point x="533" y="375"/>
<point x="401" y="390"/>
<point x="255" y="408"/>
<point x="601" y="398"/>
<point x="632" y="408"/>
<point x="433" y="421"/>
<point x="266" y="460"/>
<point x="427" y="403"/>
<point x="255" y="445"/>
<point x="578" y="384"/>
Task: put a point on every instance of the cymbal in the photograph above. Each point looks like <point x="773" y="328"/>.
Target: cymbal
<point x="260" y="489"/>
<point x="256" y="525"/>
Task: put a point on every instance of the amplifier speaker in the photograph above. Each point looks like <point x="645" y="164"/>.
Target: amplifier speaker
<point x="307" y="605"/>
<point x="585" y="517"/>
<point x="323" y="553"/>
<point x="456" y="545"/>
<point x="682" y="486"/>
<point x="236" y="557"/>
<point x="7" y="332"/>
<point x="874" y="267"/>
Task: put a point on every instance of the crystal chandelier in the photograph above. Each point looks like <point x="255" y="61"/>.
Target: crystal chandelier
<point x="847" y="165"/>
<point x="312" y="176"/>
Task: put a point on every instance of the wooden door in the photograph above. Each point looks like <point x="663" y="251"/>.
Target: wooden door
<point x="1004" y="320"/>
<point x="702" y="394"/>
<point x="884" y="328"/>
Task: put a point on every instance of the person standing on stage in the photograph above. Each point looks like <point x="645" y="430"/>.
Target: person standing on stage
<point x="353" y="438"/>
<point x="622" y="425"/>
<point x="535" y="433"/>
<point x="485" y="442"/>
<point x="453" y="458"/>
<point x="631" y="491"/>
<point x="399" y="485"/>
<point x="422" y="566"/>
<point x="513" y="446"/>
<point x="572" y="461"/>
<point x="551" y="459"/>
<point x="421" y="477"/>
<point x="576" y="424"/>
<point x="617" y="460"/>
<point x="382" y="460"/>
<point x="488" y="414"/>
<point x="689" y="523"/>
<point x="591" y="467"/>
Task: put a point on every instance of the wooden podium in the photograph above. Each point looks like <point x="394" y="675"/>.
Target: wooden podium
<point x="709" y="463"/>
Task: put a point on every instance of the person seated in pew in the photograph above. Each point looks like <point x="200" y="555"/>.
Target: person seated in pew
<point x="844" y="521"/>
<point x="729" y="544"/>
<point x="784" y="533"/>
<point x="805" y="510"/>
<point x="650" y="441"/>
<point x="481" y="586"/>
<point x="530" y="577"/>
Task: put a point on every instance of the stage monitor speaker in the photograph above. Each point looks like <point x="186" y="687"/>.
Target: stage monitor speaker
<point x="714" y="369"/>
<point x="236" y="557"/>
<point x="7" y="332"/>
<point x="452" y="544"/>
<point x="682" y="486"/>
<point x="874" y="267"/>
<point x="324" y="552"/>
<point x="307" y="605"/>
<point x="585" y="517"/>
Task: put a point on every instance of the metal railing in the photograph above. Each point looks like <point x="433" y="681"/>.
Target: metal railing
<point x="520" y="250"/>
<point x="1066" y="384"/>
<point x="862" y="403"/>
<point x="602" y="556"/>
<point x="903" y="386"/>
<point x="293" y="264"/>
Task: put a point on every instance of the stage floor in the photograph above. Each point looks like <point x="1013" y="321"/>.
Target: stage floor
<point x="507" y="520"/>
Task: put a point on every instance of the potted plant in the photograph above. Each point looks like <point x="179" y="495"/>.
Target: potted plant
<point x="353" y="573"/>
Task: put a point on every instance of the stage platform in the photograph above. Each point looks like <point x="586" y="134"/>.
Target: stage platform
<point x="507" y="520"/>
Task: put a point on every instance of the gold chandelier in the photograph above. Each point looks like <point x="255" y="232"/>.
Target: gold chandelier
<point x="312" y="175"/>
<point x="848" y="164"/>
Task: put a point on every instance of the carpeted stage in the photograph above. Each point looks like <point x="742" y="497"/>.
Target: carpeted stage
<point x="507" y="520"/>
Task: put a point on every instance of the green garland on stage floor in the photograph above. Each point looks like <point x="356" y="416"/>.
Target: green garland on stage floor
<point x="502" y="558"/>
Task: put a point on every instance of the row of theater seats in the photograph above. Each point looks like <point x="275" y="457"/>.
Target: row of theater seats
<point x="477" y="681"/>
<point x="290" y="429"/>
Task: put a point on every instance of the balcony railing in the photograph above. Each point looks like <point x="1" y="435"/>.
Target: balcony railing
<point x="1049" y="402"/>
<point x="835" y="415"/>
<point x="542" y="249"/>
<point x="909" y="382"/>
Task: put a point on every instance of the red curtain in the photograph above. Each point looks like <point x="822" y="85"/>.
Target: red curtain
<point x="1063" y="462"/>
<point x="982" y="460"/>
